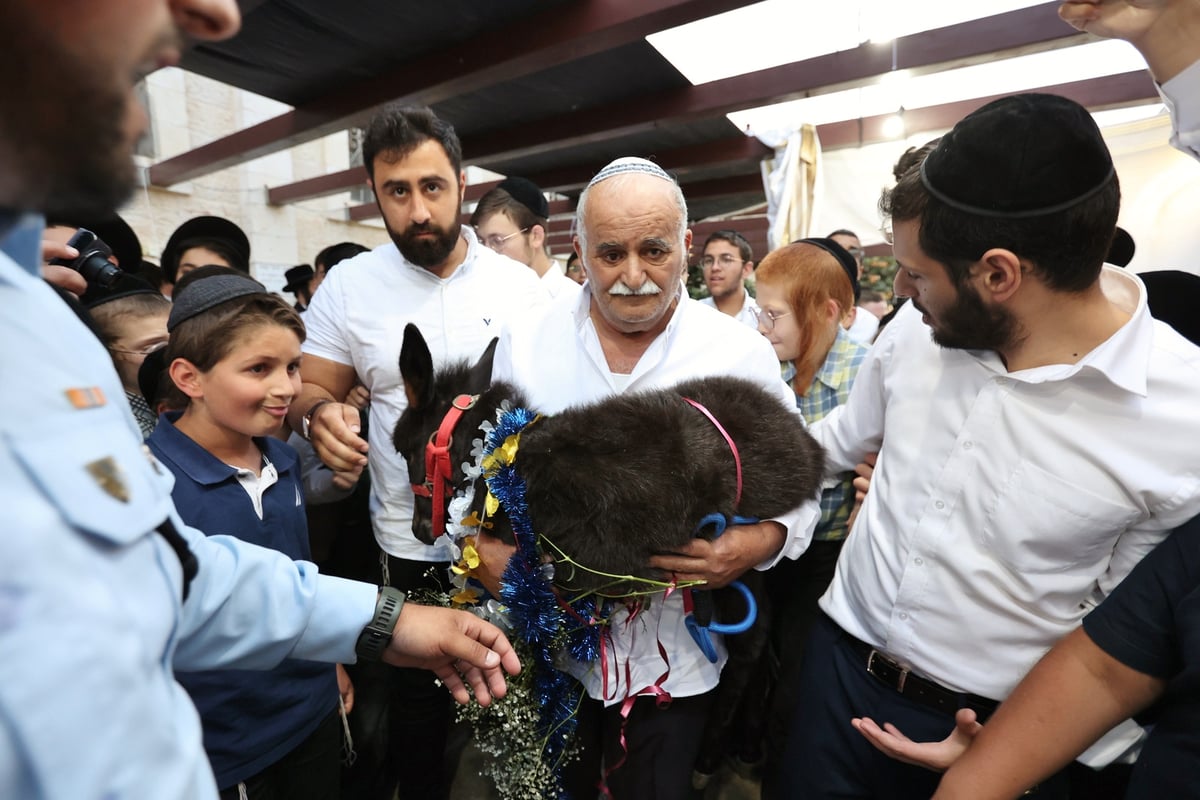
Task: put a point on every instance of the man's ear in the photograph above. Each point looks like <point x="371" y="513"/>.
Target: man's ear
<point x="186" y="376"/>
<point x="687" y="253"/>
<point x="537" y="236"/>
<point x="998" y="274"/>
<point x="462" y="187"/>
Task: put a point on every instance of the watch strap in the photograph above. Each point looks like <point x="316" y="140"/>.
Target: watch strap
<point x="306" y="420"/>
<point x="375" y="637"/>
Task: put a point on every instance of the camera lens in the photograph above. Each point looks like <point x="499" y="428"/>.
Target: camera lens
<point x="97" y="269"/>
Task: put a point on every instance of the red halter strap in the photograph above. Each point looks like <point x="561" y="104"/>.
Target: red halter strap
<point x="438" y="470"/>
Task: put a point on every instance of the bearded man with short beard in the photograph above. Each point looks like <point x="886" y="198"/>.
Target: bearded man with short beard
<point x="437" y="275"/>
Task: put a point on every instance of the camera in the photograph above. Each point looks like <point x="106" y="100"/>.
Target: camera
<point x="92" y="262"/>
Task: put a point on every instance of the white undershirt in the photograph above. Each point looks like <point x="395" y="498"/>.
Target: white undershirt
<point x="256" y="485"/>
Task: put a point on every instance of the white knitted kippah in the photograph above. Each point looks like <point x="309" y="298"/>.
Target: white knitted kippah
<point x="628" y="164"/>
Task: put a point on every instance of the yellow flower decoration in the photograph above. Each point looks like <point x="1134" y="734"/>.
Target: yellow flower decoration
<point x="503" y="455"/>
<point x="470" y="559"/>
<point x="474" y="521"/>
<point x="490" y="505"/>
<point x="465" y="596"/>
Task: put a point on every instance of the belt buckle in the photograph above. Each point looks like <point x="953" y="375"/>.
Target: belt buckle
<point x="902" y="675"/>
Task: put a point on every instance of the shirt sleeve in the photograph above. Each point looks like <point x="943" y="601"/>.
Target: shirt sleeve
<point x="250" y="607"/>
<point x="1181" y="95"/>
<point x="801" y="521"/>
<point x="855" y="428"/>
<point x="1138" y="624"/>
<point x="325" y="322"/>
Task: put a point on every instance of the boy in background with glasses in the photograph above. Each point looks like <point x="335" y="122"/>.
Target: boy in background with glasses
<point x="728" y="263"/>
<point x="513" y="220"/>
<point x="130" y="317"/>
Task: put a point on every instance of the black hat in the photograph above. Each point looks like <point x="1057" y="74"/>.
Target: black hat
<point x="212" y="228"/>
<point x="214" y="290"/>
<point x="1026" y="155"/>
<point x="528" y="194"/>
<point x="125" y="285"/>
<point x="847" y="261"/>
<point x="298" y="278"/>
<point x="1172" y="296"/>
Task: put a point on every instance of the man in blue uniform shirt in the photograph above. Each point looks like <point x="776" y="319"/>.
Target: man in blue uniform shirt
<point x="104" y="593"/>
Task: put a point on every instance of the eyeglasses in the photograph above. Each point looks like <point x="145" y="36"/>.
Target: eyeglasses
<point x="145" y="351"/>
<point x="725" y="260"/>
<point x="857" y="252"/>
<point x="496" y="241"/>
<point x="767" y="318"/>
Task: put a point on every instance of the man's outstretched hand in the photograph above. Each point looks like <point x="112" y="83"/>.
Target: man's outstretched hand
<point x="460" y="648"/>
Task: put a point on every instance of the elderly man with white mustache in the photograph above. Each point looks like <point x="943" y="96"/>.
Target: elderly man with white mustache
<point x="631" y="329"/>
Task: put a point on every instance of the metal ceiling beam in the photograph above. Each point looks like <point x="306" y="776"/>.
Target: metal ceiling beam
<point x="1019" y="32"/>
<point x="682" y="161"/>
<point x="1093" y="93"/>
<point x="697" y="190"/>
<point x="518" y="49"/>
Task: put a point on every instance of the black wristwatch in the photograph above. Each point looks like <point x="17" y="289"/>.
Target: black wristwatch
<point x="375" y="637"/>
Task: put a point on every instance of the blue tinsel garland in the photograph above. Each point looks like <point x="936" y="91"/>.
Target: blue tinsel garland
<point x="535" y="611"/>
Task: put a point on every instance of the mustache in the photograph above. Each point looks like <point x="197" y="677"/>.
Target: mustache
<point x="622" y="289"/>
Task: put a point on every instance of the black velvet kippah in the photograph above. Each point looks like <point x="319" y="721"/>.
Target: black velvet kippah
<point x="528" y="194"/>
<point x="1026" y="155"/>
<point x="214" y="290"/>
<point x="849" y="265"/>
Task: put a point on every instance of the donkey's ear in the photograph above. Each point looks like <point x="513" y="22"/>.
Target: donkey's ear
<point x="416" y="368"/>
<point x="480" y="376"/>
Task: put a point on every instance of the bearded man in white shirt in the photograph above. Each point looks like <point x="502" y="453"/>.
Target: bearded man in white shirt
<point x="632" y="328"/>
<point x="436" y="274"/>
<point x="1040" y="441"/>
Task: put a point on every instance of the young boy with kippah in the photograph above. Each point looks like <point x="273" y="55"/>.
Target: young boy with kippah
<point x="131" y="319"/>
<point x="235" y="353"/>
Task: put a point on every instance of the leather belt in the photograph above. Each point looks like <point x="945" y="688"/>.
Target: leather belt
<point x="892" y="674"/>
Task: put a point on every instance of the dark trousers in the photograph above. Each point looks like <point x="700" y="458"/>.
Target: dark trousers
<point x="308" y="772"/>
<point x="401" y="717"/>
<point x="794" y="588"/>
<point x="659" y="750"/>
<point x="825" y="758"/>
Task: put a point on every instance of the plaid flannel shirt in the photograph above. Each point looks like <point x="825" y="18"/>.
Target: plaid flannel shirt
<point x="829" y="389"/>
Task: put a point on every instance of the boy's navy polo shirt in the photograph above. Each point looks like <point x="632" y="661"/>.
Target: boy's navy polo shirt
<point x="1151" y="623"/>
<point x="252" y="718"/>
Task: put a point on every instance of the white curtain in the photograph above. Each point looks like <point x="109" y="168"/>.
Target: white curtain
<point x="792" y="181"/>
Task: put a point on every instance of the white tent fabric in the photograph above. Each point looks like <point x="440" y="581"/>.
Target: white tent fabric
<point x="1160" y="190"/>
<point x="792" y="182"/>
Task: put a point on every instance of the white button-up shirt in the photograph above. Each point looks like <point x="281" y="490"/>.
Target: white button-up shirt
<point x="747" y="314"/>
<point x="558" y="361"/>
<point x="359" y="321"/>
<point x="1005" y="504"/>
